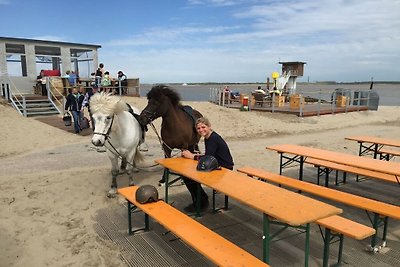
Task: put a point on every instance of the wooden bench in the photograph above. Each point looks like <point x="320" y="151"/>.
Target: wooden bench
<point x="328" y="166"/>
<point x="337" y="226"/>
<point x="382" y="211"/>
<point x="213" y="246"/>
<point x="387" y="154"/>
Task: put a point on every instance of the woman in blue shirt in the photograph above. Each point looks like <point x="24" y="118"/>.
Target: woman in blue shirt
<point x="215" y="146"/>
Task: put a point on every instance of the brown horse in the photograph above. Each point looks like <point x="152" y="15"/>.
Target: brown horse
<point x="177" y="127"/>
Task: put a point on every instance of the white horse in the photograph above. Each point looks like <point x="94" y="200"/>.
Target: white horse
<point x="119" y="131"/>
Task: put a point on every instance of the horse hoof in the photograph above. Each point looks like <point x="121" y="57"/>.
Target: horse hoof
<point x="135" y="170"/>
<point x="112" y="193"/>
<point x="122" y="171"/>
<point x="143" y="147"/>
<point x="131" y="183"/>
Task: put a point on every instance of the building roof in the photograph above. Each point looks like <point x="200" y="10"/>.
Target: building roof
<point x="25" y="40"/>
<point x="292" y="62"/>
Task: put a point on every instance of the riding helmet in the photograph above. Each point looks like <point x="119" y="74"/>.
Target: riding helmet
<point x="207" y="163"/>
<point x="146" y="194"/>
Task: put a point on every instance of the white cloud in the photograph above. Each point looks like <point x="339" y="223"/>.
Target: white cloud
<point x="339" y="40"/>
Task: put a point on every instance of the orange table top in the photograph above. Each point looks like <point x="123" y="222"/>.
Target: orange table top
<point x="374" y="140"/>
<point x="388" y="167"/>
<point x="284" y="205"/>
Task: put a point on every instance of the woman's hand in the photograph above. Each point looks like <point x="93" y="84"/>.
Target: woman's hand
<point x="187" y="154"/>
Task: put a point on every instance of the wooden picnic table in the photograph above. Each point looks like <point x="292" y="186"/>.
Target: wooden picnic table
<point x="373" y="144"/>
<point x="278" y="205"/>
<point x="302" y="152"/>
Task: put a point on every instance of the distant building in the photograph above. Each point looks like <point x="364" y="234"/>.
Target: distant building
<point x="21" y="60"/>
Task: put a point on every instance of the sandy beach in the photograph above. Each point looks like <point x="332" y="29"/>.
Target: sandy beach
<point x="54" y="182"/>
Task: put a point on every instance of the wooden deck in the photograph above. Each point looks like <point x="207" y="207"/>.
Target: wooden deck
<point x="309" y="109"/>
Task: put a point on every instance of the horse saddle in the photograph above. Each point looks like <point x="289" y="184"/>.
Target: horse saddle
<point x="136" y="116"/>
<point x="189" y="111"/>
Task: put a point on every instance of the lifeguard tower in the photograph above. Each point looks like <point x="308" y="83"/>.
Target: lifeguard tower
<point x="292" y="70"/>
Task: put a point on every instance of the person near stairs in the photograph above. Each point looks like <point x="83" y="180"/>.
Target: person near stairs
<point x="74" y="104"/>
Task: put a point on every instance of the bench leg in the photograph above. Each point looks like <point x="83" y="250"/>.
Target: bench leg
<point x="269" y="237"/>
<point x="129" y="218"/>
<point x="376" y="223"/>
<point x="146" y="222"/>
<point x="146" y="228"/>
<point x="340" y="253"/>
<point x="386" y="220"/>
<point x="307" y="248"/>
<point x="301" y="168"/>
<point x="327" y="177"/>
<point x="344" y="177"/>
<point x="329" y="238"/>
<point x="226" y="202"/>
<point x="214" y="192"/>
<point x="266" y="238"/>
<point x="166" y="183"/>
<point x="198" y="200"/>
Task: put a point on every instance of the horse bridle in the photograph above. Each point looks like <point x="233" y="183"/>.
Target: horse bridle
<point x="149" y="115"/>
<point x="107" y="134"/>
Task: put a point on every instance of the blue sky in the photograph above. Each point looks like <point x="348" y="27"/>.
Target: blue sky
<point x="221" y="40"/>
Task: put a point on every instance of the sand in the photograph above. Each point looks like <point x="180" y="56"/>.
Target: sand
<point x="53" y="182"/>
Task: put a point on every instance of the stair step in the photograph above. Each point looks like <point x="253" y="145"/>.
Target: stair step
<point x="37" y="100"/>
<point x="40" y="109"/>
<point x="43" y="113"/>
<point x="36" y="105"/>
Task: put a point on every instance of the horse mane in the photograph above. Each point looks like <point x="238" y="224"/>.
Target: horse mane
<point x="158" y="90"/>
<point x="107" y="103"/>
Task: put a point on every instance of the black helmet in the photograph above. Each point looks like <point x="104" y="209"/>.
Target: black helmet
<point x="207" y="163"/>
<point x="146" y="194"/>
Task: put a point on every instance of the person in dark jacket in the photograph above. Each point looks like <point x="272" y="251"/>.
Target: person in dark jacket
<point x="215" y="146"/>
<point x="74" y="104"/>
<point x="122" y="83"/>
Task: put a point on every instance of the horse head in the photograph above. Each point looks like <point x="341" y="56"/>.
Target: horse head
<point x="160" y="98"/>
<point x="103" y="108"/>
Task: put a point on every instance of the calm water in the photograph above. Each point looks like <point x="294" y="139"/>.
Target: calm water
<point x="389" y="94"/>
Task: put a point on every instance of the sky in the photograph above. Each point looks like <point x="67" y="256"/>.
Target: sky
<point x="167" y="41"/>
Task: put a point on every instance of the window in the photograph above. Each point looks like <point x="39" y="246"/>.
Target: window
<point x="82" y="61"/>
<point x="48" y="57"/>
<point x="16" y="60"/>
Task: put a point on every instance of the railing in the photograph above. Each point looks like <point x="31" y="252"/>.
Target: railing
<point x="11" y="93"/>
<point x="52" y="97"/>
<point x="86" y="83"/>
